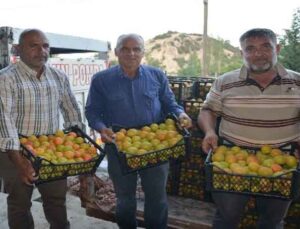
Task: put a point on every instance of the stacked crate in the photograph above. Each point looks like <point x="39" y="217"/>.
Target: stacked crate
<point x="250" y="216"/>
<point x="172" y="183"/>
<point x="192" y="179"/>
<point x="187" y="178"/>
<point x="201" y="87"/>
<point x="182" y="89"/>
<point x="192" y="107"/>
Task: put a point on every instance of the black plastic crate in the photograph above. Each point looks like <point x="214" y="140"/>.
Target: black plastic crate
<point x="285" y="186"/>
<point x="193" y="162"/>
<point x="248" y="221"/>
<point x="192" y="107"/>
<point x="291" y="223"/>
<point x="131" y="163"/>
<point x="194" y="191"/>
<point x="192" y="176"/>
<point x="173" y="177"/>
<point x="196" y="144"/>
<point x="294" y="210"/>
<point x="201" y="87"/>
<point x="182" y="89"/>
<point x="48" y="171"/>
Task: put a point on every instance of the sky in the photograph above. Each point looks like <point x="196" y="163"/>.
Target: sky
<point x="106" y="20"/>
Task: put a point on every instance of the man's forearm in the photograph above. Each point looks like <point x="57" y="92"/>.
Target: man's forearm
<point x="207" y="121"/>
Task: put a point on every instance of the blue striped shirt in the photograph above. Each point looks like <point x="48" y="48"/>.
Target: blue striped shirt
<point x="116" y="100"/>
<point x="30" y="106"/>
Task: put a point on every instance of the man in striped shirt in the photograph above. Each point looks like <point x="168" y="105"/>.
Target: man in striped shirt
<point x="258" y="104"/>
<point x="31" y="96"/>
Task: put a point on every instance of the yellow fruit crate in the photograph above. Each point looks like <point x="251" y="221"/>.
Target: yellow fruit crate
<point x="47" y="169"/>
<point x="133" y="162"/>
<point x="284" y="185"/>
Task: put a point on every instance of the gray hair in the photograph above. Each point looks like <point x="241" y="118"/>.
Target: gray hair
<point x="124" y="37"/>
<point x="29" y="31"/>
<point x="259" y="32"/>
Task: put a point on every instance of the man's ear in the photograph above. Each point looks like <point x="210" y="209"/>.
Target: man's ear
<point x="15" y="50"/>
<point x="278" y="47"/>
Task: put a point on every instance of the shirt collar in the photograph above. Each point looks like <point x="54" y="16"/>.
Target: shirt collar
<point x="29" y="70"/>
<point x="281" y="71"/>
<point x="122" y="74"/>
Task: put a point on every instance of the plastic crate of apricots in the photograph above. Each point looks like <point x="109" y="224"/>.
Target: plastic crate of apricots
<point x="269" y="172"/>
<point x="65" y="153"/>
<point x="151" y="145"/>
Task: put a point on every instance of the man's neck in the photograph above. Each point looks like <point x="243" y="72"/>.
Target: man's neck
<point x="130" y="72"/>
<point x="39" y="72"/>
<point x="263" y="79"/>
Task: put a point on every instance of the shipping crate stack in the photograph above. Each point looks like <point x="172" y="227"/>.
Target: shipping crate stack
<point x="187" y="177"/>
<point x="173" y="177"/>
<point x="202" y="86"/>
<point x="182" y="88"/>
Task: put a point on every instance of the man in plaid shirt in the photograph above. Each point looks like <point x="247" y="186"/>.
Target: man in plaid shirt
<point x="32" y="94"/>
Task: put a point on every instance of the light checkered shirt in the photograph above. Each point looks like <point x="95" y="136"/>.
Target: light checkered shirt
<point x="30" y="106"/>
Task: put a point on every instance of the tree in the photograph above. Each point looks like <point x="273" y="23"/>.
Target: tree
<point x="154" y="62"/>
<point x="192" y="67"/>
<point x="290" y="45"/>
<point x="222" y="57"/>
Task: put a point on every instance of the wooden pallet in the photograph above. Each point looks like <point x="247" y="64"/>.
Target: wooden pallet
<point x="183" y="213"/>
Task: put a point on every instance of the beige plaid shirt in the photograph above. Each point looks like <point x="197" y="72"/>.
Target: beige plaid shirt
<point x="30" y="106"/>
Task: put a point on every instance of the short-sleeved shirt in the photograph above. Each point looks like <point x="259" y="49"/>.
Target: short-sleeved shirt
<point x="254" y="116"/>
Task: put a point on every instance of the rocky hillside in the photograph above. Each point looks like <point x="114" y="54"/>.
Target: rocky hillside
<point x="175" y="52"/>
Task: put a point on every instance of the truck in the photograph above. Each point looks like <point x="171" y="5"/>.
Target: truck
<point x="80" y="58"/>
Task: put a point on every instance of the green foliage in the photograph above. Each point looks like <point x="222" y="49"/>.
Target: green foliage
<point x="164" y="36"/>
<point x="154" y="62"/>
<point x="192" y="67"/>
<point x="219" y="62"/>
<point x="113" y="62"/>
<point x="180" y="61"/>
<point x="230" y="64"/>
<point x="172" y="43"/>
<point x="222" y="56"/>
<point x="182" y="36"/>
<point x="290" y="45"/>
<point x="156" y="46"/>
<point x="188" y="46"/>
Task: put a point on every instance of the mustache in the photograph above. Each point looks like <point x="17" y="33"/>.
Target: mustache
<point x="42" y="57"/>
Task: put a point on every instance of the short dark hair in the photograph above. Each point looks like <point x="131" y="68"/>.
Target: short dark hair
<point x="28" y="31"/>
<point x="259" y="32"/>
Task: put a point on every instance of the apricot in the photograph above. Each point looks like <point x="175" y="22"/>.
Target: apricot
<point x="276" y="168"/>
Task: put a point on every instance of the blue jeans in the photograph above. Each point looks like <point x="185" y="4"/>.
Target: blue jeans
<point x="230" y="209"/>
<point x="153" y="181"/>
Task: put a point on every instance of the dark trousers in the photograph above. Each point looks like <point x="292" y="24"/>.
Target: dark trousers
<point x="153" y="181"/>
<point x="53" y="196"/>
<point x="230" y="208"/>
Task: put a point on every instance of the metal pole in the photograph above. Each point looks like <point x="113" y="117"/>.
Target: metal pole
<point x="204" y="57"/>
